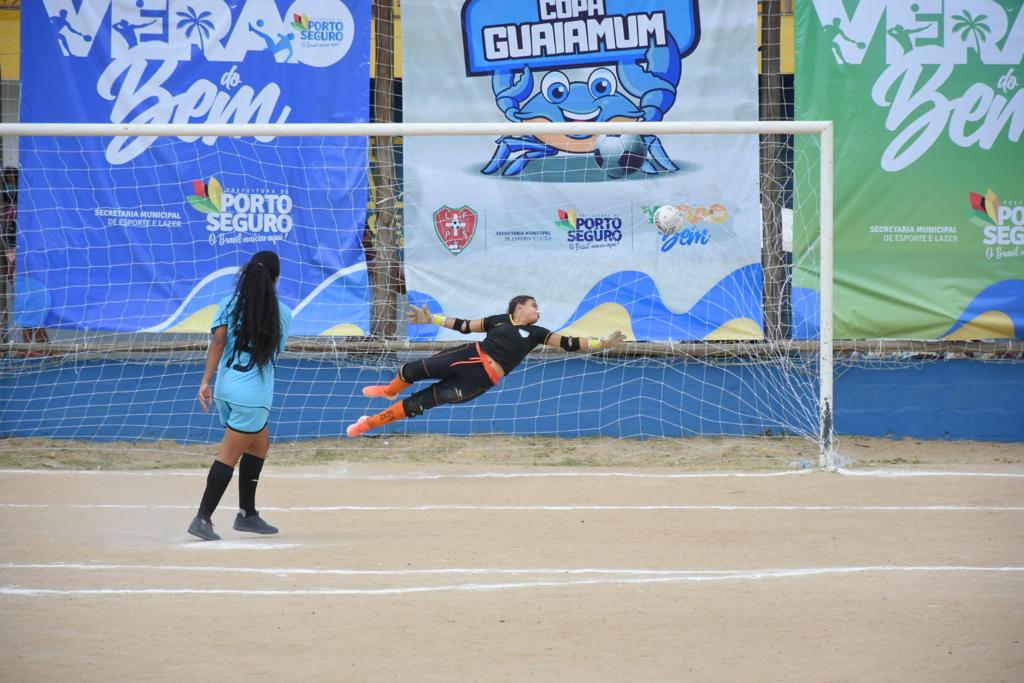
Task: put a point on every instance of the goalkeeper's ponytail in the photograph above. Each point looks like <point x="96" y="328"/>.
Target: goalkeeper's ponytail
<point x="255" y="318"/>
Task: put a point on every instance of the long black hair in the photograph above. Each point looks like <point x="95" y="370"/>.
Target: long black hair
<point x="516" y="300"/>
<point x="255" y="318"/>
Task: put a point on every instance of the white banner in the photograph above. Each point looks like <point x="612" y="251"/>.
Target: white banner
<point x="569" y="219"/>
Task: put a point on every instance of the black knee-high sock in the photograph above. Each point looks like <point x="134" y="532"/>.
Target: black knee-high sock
<point x="216" y="484"/>
<point x="249" y="468"/>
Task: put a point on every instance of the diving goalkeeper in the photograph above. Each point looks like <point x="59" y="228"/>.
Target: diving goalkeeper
<point x="469" y="370"/>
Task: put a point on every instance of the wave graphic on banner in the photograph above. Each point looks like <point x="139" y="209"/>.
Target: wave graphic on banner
<point x="806" y="305"/>
<point x="337" y="306"/>
<point x="729" y="310"/>
<point x="630" y="301"/>
<point x="194" y="314"/>
<point x="996" y="313"/>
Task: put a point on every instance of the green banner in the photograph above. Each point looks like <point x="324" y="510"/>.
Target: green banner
<point x="928" y="105"/>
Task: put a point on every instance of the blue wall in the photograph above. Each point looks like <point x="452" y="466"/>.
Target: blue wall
<point x="955" y="399"/>
<point x="115" y="400"/>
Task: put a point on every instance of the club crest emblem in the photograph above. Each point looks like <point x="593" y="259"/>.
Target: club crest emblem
<point x="455" y="227"/>
<point x="523" y="333"/>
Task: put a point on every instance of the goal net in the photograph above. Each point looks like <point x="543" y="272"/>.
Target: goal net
<point x="118" y="274"/>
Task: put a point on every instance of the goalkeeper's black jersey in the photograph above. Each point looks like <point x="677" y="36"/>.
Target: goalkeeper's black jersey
<point x="508" y="343"/>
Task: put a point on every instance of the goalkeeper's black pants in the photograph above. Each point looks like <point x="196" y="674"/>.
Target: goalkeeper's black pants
<point x="464" y="374"/>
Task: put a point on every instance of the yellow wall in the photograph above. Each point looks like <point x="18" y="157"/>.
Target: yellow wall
<point x="398" y="39"/>
<point x="397" y="45"/>
<point x="785" y="41"/>
<point x="786" y="38"/>
<point x="10" y="44"/>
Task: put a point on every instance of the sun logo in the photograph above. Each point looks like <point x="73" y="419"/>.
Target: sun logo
<point x="208" y="197"/>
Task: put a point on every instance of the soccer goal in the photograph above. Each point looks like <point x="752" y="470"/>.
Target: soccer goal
<point x="127" y="240"/>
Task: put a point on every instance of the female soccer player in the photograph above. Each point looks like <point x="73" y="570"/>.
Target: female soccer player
<point x="470" y="370"/>
<point x="249" y="330"/>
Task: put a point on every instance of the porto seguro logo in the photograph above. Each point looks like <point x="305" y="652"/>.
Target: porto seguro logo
<point x="1002" y="225"/>
<point x="320" y="31"/>
<point x="589" y="232"/>
<point x="242" y="216"/>
<point x="632" y="65"/>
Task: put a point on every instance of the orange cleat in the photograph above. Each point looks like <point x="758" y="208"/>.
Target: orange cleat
<point x="379" y="391"/>
<point x="360" y="427"/>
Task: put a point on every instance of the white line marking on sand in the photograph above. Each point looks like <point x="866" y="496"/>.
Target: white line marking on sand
<point x="427" y="476"/>
<point x="238" y="545"/>
<point x="532" y="475"/>
<point x="560" y="571"/>
<point x="550" y="508"/>
<point x="682" y="577"/>
<point x="641" y="508"/>
<point x="912" y="473"/>
<point x="288" y="571"/>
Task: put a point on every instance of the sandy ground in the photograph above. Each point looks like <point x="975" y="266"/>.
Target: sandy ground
<point x="450" y="569"/>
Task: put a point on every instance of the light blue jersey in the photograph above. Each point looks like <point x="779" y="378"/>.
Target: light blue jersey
<point x="235" y="384"/>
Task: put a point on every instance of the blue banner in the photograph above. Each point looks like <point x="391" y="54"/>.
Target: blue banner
<point x="146" y="234"/>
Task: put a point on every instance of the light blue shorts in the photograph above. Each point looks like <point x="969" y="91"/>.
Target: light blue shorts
<point x="243" y="419"/>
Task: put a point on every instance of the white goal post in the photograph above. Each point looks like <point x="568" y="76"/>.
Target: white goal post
<point x="821" y="129"/>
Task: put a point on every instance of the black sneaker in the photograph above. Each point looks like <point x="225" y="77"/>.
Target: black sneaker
<point x="203" y="529"/>
<point x="253" y="523"/>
